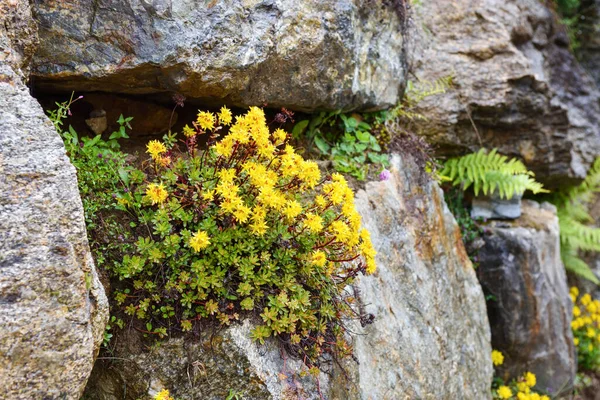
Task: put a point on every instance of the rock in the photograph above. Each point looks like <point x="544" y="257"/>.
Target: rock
<point x="329" y="54"/>
<point x="18" y="36"/>
<point x="496" y="207"/>
<point x="429" y="339"/>
<point x="588" y="52"/>
<point x="529" y="307"/>
<point x="52" y="307"/>
<point x="97" y="121"/>
<point x="517" y="87"/>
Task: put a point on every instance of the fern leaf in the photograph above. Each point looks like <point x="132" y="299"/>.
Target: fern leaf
<point x="577" y="266"/>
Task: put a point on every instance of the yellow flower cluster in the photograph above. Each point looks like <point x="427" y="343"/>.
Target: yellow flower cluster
<point x="255" y="161"/>
<point x="163" y="395"/>
<point x="522" y="386"/>
<point x="157" y="193"/>
<point x="199" y="241"/>
<point x="586" y="321"/>
<point x="155" y="149"/>
<point x="497" y="357"/>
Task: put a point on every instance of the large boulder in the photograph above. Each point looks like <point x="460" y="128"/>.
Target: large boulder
<point x="430" y="337"/>
<point x="517" y="86"/>
<point x="52" y="307"/>
<point x="302" y="55"/>
<point x="528" y="298"/>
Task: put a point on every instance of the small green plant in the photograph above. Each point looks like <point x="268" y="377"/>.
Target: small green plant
<point x="517" y="389"/>
<point x="490" y="172"/>
<point x="113" y="321"/>
<point x="576" y="230"/>
<point x="234" y="395"/>
<point x="574" y="21"/>
<point x="345" y="139"/>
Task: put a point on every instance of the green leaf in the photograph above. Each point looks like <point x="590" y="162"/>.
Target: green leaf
<point x="299" y="128"/>
<point x="322" y="145"/>
<point x="363" y="136"/>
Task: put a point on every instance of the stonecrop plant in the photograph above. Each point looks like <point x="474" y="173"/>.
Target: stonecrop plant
<point x="244" y="227"/>
<point x="517" y="389"/>
<point x="586" y="330"/>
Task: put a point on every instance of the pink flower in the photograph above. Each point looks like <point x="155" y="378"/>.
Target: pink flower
<point x="385" y="175"/>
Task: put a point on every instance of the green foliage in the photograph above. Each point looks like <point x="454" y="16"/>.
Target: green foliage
<point x="245" y="227"/>
<point x="414" y="94"/>
<point x="573" y="20"/>
<point x="345" y="139"/>
<point x="491" y="172"/>
<point x="576" y="232"/>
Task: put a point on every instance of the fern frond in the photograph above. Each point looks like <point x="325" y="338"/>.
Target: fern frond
<point x="489" y="172"/>
<point x="576" y="265"/>
<point x="577" y="236"/>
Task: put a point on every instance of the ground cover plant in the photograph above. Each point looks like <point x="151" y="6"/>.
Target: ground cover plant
<point x="242" y="228"/>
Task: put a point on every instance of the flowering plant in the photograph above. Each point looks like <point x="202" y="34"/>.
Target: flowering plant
<point x="586" y="329"/>
<point x="517" y="389"/>
<point x="245" y="226"/>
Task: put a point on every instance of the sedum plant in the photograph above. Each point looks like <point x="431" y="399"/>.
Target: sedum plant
<point x="586" y="329"/>
<point x="244" y="227"/>
<point x="490" y="172"/>
<point x="517" y="389"/>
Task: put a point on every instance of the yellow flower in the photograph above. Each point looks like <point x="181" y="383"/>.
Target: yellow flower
<point x="225" y="116"/>
<point x="206" y="120"/>
<point x="576" y="341"/>
<point x="523" y="396"/>
<point x="209" y="195"/>
<point x="313" y="222"/>
<point x="163" y="395"/>
<point x="156" y="193"/>
<point x="319" y="258"/>
<point x="258" y="227"/>
<point x="591" y="332"/>
<point x="341" y="231"/>
<point x="534" y="396"/>
<point x="199" y="241"/>
<point x="279" y="136"/>
<point x="188" y="132"/>
<point x="155" y="149"/>
<point x="504" y="392"/>
<point x="292" y="209"/>
<point x="497" y="357"/>
<point x="586" y="299"/>
<point x="576" y="311"/>
<point x="544" y="397"/>
<point x="574" y="291"/>
<point x="530" y="379"/>
<point x="320" y="201"/>
<point x="242" y="213"/>
<point x="522" y="386"/>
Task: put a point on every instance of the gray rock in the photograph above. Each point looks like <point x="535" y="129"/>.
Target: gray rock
<point x="430" y="338"/>
<point x="517" y="87"/>
<point x="303" y="55"/>
<point x="494" y="207"/>
<point x="530" y="311"/>
<point x="589" y="51"/>
<point x="52" y="306"/>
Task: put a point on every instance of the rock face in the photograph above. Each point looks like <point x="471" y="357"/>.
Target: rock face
<point x="430" y="337"/>
<point x="302" y="55"/>
<point x="589" y="51"/>
<point x="52" y="307"/>
<point x="530" y="311"/>
<point x="517" y="87"/>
